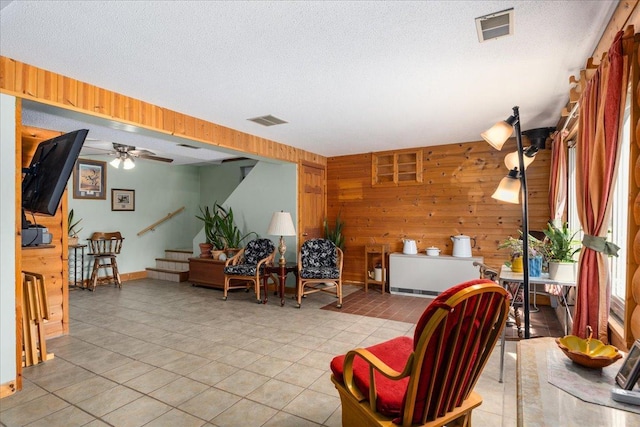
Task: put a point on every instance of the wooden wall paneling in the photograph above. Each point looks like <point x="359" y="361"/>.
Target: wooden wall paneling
<point x="454" y="198"/>
<point x="26" y="81"/>
<point x="52" y="262"/>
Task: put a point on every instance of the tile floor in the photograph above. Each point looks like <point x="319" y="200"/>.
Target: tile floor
<point x="158" y="353"/>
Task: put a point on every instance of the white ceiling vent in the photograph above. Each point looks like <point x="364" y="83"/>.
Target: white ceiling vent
<point x="495" y="25"/>
<point x="268" y="120"/>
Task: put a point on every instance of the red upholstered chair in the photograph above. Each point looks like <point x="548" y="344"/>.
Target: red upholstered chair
<point x="427" y="380"/>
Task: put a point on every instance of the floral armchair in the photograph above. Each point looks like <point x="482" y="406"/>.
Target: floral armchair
<point x="247" y="266"/>
<point x="319" y="269"/>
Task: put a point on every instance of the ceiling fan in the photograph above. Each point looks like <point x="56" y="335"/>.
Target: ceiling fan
<point x="125" y="154"/>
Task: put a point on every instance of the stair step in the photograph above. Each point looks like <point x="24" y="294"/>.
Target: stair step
<point x="166" y="274"/>
<point x="172" y="264"/>
<point x="181" y="254"/>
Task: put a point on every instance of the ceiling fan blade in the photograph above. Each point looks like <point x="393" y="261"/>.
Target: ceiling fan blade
<point x="156" y="158"/>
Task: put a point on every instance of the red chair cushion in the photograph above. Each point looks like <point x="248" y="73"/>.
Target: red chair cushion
<point x="391" y="394"/>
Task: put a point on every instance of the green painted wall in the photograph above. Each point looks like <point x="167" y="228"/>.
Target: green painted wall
<point x="159" y="190"/>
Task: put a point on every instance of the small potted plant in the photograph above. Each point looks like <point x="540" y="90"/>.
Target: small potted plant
<point x="211" y="220"/>
<point x="562" y="247"/>
<point x="537" y="251"/>
<point x="72" y="229"/>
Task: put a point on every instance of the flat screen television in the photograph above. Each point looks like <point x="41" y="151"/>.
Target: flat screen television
<point x="46" y="177"/>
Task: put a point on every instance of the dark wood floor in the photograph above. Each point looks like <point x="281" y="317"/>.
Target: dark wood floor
<point x="544" y="322"/>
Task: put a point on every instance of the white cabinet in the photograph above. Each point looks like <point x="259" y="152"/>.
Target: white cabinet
<point x="427" y="276"/>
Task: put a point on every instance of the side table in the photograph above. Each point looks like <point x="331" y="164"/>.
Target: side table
<point x="281" y="270"/>
<point x="373" y="253"/>
<point x="75" y="283"/>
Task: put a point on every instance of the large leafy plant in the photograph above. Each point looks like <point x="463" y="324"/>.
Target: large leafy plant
<point x="561" y="242"/>
<point x="211" y="220"/>
<point x="72" y="229"/>
<point x="335" y="234"/>
<point x="228" y="230"/>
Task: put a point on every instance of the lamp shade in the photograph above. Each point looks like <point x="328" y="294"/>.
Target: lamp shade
<point x="115" y="162"/>
<point x="498" y="134"/>
<point x="511" y="160"/>
<point x="281" y="225"/>
<point x="509" y="188"/>
<point x="128" y="163"/>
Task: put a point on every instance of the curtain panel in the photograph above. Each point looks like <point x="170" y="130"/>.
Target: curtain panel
<point x="558" y="179"/>
<point x="601" y="109"/>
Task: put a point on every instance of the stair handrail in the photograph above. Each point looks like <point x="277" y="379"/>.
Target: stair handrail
<point x="166" y="218"/>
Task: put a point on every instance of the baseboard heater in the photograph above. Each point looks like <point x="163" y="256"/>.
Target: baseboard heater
<point x="427" y="276"/>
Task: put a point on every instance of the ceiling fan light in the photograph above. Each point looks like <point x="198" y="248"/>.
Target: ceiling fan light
<point x="115" y="162"/>
<point x="128" y="163"/>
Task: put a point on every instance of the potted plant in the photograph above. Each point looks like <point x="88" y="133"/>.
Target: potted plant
<point x="211" y="220"/>
<point x="229" y="232"/>
<point x="335" y="235"/>
<point x="562" y="248"/>
<point x="537" y="251"/>
<point x="72" y="230"/>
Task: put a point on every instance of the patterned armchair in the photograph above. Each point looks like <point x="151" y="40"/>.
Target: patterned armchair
<point x="247" y="266"/>
<point x="319" y="269"/>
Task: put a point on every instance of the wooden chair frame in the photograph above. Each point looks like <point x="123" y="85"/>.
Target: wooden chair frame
<point x="105" y="247"/>
<point x="319" y="285"/>
<point x="357" y="411"/>
<point x="245" y="281"/>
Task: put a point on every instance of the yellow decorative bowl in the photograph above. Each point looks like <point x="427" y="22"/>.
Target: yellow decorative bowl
<point x="588" y="352"/>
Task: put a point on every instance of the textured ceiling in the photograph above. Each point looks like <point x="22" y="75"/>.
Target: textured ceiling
<point x="348" y="77"/>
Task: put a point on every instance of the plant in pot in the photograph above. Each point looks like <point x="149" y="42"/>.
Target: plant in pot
<point x="538" y="250"/>
<point x="562" y="247"/>
<point x="229" y="232"/>
<point x="72" y="229"/>
<point x="335" y="235"/>
<point x="214" y="241"/>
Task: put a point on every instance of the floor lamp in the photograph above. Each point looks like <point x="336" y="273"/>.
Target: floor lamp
<point x="514" y="185"/>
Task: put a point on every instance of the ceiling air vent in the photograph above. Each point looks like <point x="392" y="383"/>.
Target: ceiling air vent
<point x="188" y="146"/>
<point x="267" y="120"/>
<point x="495" y="25"/>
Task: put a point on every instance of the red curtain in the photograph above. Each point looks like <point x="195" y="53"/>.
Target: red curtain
<point x="558" y="179"/>
<point x="601" y="108"/>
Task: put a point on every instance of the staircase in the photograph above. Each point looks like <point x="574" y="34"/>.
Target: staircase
<point x="174" y="267"/>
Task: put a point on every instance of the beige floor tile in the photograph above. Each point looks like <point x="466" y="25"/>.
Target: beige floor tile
<point x="137" y="413"/>
<point x="152" y="380"/>
<point x="29" y="392"/>
<point x="186" y="364"/>
<point x="274" y="393"/>
<point x="300" y="375"/>
<point x="209" y="404"/>
<point x="162" y="357"/>
<point x="240" y="358"/>
<point x="251" y="413"/>
<point x="313" y="406"/>
<point x="63" y="378"/>
<point x="269" y="366"/>
<point x="291" y="353"/>
<point x="282" y="419"/>
<point x="176" y="418"/>
<point x="69" y="416"/>
<point x="179" y="391"/>
<point x="212" y="373"/>
<point x="85" y="389"/>
<point x="32" y="411"/>
<point x="242" y="382"/>
<point x="109" y="400"/>
<point x="128" y="371"/>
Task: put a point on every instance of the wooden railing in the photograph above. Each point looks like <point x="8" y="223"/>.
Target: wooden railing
<point x="166" y="218"/>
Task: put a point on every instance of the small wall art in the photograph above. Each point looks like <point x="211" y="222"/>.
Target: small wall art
<point x="123" y="200"/>
<point x="90" y="180"/>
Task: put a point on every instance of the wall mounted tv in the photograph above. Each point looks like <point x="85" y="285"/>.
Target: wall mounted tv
<point x="46" y="177"/>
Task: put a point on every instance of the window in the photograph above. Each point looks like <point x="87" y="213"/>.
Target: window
<point x="617" y="230"/>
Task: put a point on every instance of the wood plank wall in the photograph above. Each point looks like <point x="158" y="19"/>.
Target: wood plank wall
<point x="30" y="82"/>
<point x="455" y="198"/>
<point x="52" y="262"/>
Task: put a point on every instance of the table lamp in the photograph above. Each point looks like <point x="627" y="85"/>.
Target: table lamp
<point x="281" y="225"/>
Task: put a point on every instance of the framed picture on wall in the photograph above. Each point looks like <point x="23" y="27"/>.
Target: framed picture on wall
<point x="90" y="180"/>
<point x="123" y="200"/>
